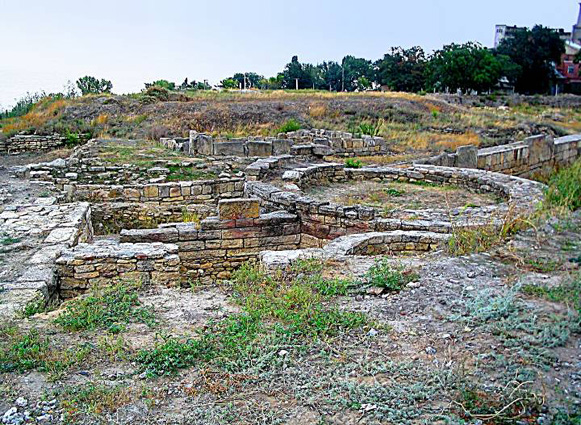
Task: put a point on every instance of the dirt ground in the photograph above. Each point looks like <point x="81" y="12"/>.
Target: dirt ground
<point x="397" y="196"/>
<point x="459" y="344"/>
<point x="487" y="338"/>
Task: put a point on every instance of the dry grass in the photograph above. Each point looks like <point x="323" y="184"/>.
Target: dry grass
<point x="42" y="112"/>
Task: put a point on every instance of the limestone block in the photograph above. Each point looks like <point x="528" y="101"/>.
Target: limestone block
<point x="281" y="146"/>
<point x="236" y="148"/>
<point x="259" y="148"/>
<point x="467" y="157"/>
<point x="234" y="209"/>
<point x="540" y="148"/>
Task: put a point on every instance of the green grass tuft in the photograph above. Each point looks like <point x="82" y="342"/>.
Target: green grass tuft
<point x="109" y="308"/>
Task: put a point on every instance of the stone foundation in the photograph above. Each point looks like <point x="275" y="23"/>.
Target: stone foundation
<point x="536" y="155"/>
<point x="297" y="143"/>
<point x="29" y="143"/>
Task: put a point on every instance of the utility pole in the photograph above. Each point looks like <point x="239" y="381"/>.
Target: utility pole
<point x="244" y="81"/>
<point x="343" y="77"/>
<point x="296" y="83"/>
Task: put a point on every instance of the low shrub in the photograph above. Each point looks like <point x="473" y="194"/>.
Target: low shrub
<point x="353" y="163"/>
<point x="288" y="126"/>
<point x="384" y="275"/>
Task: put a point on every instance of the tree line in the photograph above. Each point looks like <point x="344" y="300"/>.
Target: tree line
<point x="525" y="61"/>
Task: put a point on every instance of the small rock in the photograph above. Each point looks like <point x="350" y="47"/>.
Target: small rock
<point x="430" y="351"/>
<point x="413" y="285"/>
<point x="372" y="332"/>
<point x="471" y="275"/>
<point x="21" y="402"/>
<point x="374" y="290"/>
<point x="282" y="353"/>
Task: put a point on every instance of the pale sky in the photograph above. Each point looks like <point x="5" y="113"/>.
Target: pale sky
<point x="45" y="43"/>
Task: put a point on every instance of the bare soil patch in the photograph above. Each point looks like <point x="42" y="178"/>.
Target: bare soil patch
<point x="396" y="196"/>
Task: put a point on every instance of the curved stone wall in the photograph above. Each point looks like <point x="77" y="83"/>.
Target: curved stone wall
<point x="324" y="221"/>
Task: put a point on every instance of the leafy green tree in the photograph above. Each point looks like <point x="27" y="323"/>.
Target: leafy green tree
<point x="353" y="69"/>
<point x="90" y="84"/>
<point x="402" y="69"/>
<point x="168" y="85"/>
<point x="294" y="71"/>
<point x="316" y="75"/>
<point x="464" y="67"/>
<point x="229" y="83"/>
<point x="272" y="83"/>
<point x="252" y="79"/>
<point x="332" y="73"/>
<point x="535" y="52"/>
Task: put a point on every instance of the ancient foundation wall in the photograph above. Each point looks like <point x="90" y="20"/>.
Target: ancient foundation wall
<point x="26" y="143"/>
<point x="196" y="191"/>
<point x="112" y="217"/>
<point x="297" y="143"/>
<point x="535" y="155"/>
<point x="323" y="221"/>
<point x="182" y="253"/>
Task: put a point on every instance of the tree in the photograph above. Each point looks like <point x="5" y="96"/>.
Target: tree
<point x="332" y="73"/>
<point x="90" y="84"/>
<point x="252" y="79"/>
<point x="464" y="67"/>
<point x="272" y="83"/>
<point x="168" y="85"/>
<point x="353" y="69"/>
<point x="535" y="52"/>
<point x="229" y="83"/>
<point x="294" y="71"/>
<point x="402" y="69"/>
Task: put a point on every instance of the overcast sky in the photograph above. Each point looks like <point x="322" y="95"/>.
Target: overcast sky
<point x="45" y="43"/>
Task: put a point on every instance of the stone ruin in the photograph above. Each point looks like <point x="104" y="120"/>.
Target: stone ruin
<point x="109" y="221"/>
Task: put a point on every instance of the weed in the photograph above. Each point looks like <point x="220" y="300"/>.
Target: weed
<point x="35" y="306"/>
<point x="9" y="240"/>
<point x="92" y="400"/>
<point x="568" y="293"/>
<point x="22" y="352"/>
<point x="383" y="275"/>
<point x="564" y="189"/>
<point x="392" y="191"/>
<point x="468" y="240"/>
<point x="542" y="265"/>
<point x="190" y="216"/>
<point x="353" y="163"/>
<point x="109" y="308"/>
<point x="288" y="126"/>
<point x="224" y="340"/>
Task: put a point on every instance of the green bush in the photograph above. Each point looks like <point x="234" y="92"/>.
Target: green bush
<point x="383" y="275"/>
<point x="353" y="163"/>
<point x="290" y="125"/>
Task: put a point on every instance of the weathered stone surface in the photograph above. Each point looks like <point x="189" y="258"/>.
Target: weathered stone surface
<point x="229" y="209"/>
<point x="259" y="148"/>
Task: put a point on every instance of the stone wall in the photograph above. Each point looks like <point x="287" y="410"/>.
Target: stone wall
<point x="322" y="221"/>
<point x="297" y="143"/>
<point x="196" y="191"/>
<point x="33" y="142"/>
<point x="45" y="230"/>
<point x="374" y="243"/>
<point x="181" y="253"/>
<point x="100" y="262"/>
<point x="536" y="155"/>
<point x="112" y="217"/>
